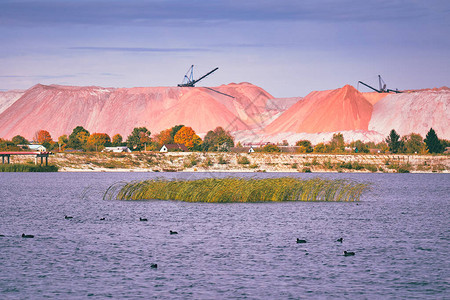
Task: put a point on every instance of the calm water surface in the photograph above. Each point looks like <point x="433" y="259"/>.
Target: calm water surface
<point x="400" y="232"/>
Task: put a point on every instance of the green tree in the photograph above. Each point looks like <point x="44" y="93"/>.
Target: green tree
<point x="337" y="143"/>
<point x="78" y="138"/>
<point x="304" y="146"/>
<point x="393" y="141"/>
<point x="117" y="140"/>
<point x="19" y="140"/>
<point x="320" y="148"/>
<point x="218" y="140"/>
<point x="361" y="146"/>
<point x="433" y="143"/>
<point x="139" y="138"/>
<point x="174" y="131"/>
<point x="271" y="148"/>
<point x="413" y="143"/>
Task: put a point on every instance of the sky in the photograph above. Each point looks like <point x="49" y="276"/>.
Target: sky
<point x="287" y="47"/>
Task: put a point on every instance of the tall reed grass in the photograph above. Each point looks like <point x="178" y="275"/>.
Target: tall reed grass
<point x="239" y="190"/>
<point x="27" y="168"/>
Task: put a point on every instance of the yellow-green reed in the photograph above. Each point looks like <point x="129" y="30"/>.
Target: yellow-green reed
<point x="239" y="190"/>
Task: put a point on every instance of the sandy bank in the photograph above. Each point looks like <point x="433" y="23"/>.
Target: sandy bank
<point x="233" y="162"/>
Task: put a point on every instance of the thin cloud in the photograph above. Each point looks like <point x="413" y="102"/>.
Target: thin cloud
<point x="140" y="49"/>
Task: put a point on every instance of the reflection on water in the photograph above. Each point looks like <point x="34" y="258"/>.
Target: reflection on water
<point x="399" y="233"/>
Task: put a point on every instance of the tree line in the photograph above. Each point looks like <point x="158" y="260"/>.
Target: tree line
<point x="140" y="139"/>
<point x="219" y="139"/>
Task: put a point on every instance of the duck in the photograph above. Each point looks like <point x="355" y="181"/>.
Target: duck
<point x="68" y="217"/>
<point x="349" y="253"/>
<point x="27" y="236"/>
<point x="154" y="266"/>
<point x="102" y="219"/>
<point x="143" y="219"/>
<point x="299" y="241"/>
<point x="173" y="232"/>
<point x="339" y="240"/>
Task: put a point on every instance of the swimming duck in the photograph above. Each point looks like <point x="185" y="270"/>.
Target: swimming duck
<point x="68" y="217"/>
<point x="299" y="241"/>
<point x="339" y="240"/>
<point x="154" y="266"/>
<point x="28" y="236"/>
<point x="349" y="253"/>
<point x="143" y="219"/>
<point x="102" y="219"/>
<point x="173" y="232"/>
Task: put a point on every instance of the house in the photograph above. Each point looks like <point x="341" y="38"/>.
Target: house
<point x="118" y="149"/>
<point x="173" y="147"/>
<point x="39" y="148"/>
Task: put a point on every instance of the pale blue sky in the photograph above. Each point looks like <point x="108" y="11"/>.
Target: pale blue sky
<point x="288" y="47"/>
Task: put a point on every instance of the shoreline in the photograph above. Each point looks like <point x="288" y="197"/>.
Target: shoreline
<point x="246" y="163"/>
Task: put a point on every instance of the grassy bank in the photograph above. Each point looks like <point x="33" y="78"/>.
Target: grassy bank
<point x="239" y="190"/>
<point x="27" y="168"/>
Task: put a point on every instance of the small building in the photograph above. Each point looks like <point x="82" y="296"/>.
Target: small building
<point x="39" y="148"/>
<point x="173" y="147"/>
<point x="118" y="149"/>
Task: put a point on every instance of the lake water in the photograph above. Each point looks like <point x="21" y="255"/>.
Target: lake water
<point x="400" y="232"/>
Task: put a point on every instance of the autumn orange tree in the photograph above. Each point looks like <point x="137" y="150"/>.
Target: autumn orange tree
<point x="164" y="137"/>
<point x="42" y="136"/>
<point x="189" y="138"/>
<point x="97" y="141"/>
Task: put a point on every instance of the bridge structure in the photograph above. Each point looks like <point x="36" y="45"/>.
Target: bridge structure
<point x="6" y="156"/>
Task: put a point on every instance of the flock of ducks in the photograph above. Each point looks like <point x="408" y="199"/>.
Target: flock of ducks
<point x="155" y="266"/>
<point x="340" y="240"/>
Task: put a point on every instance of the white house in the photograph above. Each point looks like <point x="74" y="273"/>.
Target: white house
<point x="118" y="149"/>
<point x="39" y="148"/>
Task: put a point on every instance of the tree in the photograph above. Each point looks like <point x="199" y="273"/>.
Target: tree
<point x="6" y="145"/>
<point x="117" y="140"/>
<point x="98" y="141"/>
<point x="189" y="138"/>
<point x="42" y="136"/>
<point x="218" y="140"/>
<point x="174" y="131"/>
<point x="78" y="137"/>
<point x="271" y="148"/>
<point x="393" y="141"/>
<point x="337" y="143"/>
<point x="413" y="143"/>
<point x="139" y="138"/>
<point x="164" y="137"/>
<point x="19" y="140"/>
<point x="361" y="146"/>
<point x="62" y="141"/>
<point x="304" y="146"/>
<point x="433" y="143"/>
<point x="320" y="148"/>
